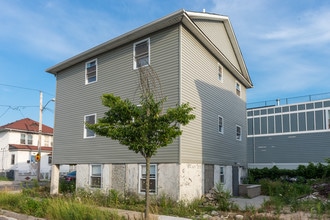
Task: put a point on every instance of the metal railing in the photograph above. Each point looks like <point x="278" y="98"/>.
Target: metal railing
<point x="287" y="101"/>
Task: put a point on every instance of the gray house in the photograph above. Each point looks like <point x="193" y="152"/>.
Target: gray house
<point x="289" y="135"/>
<point x="198" y="60"/>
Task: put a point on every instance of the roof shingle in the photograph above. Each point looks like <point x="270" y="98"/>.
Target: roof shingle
<point x="26" y="124"/>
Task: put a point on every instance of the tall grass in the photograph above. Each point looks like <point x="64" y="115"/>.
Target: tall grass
<point x="53" y="208"/>
<point x="64" y="209"/>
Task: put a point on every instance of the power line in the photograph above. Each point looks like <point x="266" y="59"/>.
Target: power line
<point x="15" y="108"/>
<point x="20" y="87"/>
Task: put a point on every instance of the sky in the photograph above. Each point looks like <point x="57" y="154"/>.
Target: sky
<point x="285" y="44"/>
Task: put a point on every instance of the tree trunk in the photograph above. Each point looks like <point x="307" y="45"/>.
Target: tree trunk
<point x="147" y="188"/>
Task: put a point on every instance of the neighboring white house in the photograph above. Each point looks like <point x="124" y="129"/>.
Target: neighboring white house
<point x="19" y="147"/>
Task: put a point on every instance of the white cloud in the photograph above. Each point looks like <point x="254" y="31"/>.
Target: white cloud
<point x="285" y="46"/>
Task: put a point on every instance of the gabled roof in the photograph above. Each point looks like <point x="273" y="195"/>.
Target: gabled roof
<point x="26" y="125"/>
<point x="180" y="16"/>
<point x="28" y="147"/>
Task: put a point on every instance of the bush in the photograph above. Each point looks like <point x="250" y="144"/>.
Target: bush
<point x="311" y="171"/>
<point x="67" y="187"/>
<point x="222" y="197"/>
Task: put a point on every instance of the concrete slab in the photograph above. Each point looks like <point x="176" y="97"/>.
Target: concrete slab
<point x="255" y="202"/>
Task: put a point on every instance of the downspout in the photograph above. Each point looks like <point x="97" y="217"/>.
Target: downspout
<point x="180" y="99"/>
<point x="180" y="80"/>
<point x="254" y="139"/>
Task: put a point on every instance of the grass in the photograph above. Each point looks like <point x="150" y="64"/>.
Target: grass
<point x="82" y="204"/>
<point x="53" y="208"/>
<point x="286" y="197"/>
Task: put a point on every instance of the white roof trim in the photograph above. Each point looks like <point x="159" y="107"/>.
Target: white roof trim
<point x="174" y="18"/>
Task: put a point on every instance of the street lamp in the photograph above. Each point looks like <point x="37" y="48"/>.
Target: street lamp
<point x="41" y="109"/>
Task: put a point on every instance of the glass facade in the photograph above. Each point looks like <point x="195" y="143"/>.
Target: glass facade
<point x="302" y="117"/>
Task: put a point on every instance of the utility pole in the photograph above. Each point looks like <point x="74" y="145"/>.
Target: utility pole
<point x="39" y="136"/>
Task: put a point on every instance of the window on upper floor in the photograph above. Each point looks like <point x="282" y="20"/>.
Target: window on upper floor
<point x="238" y="88"/>
<point x="96" y="176"/>
<point x="46" y="141"/>
<point x="91" y="71"/>
<point x="220" y="124"/>
<point x="220" y="73"/>
<point x="153" y="178"/>
<point x="23" y="139"/>
<point x="12" y="161"/>
<point x="30" y="139"/>
<point x="90" y="119"/>
<point x="238" y="133"/>
<point x="50" y="159"/>
<point x="141" y="53"/>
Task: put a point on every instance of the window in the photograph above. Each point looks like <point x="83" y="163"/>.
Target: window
<point x="238" y="133"/>
<point x="12" y="161"/>
<point x="50" y="159"/>
<point x="30" y="139"/>
<point x="222" y="175"/>
<point x="90" y="119"/>
<point x="141" y="53"/>
<point x="238" y="88"/>
<point x="220" y="124"/>
<point x="91" y="72"/>
<point x="220" y="73"/>
<point x="328" y="119"/>
<point x="153" y="178"/>
<point x="22" y="138"/>
<point x="96" y="176"/>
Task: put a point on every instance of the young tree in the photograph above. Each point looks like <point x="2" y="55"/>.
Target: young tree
<point x="143" y="128"/>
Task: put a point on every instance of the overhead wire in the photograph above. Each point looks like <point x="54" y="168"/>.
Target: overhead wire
<point x="19" y="108"/>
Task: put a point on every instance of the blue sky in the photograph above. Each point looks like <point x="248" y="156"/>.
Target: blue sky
<point x="285" y="44"/>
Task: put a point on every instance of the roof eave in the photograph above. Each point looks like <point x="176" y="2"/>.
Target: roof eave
<point x="164" y="22"/>
<point x="120" y="40"/>
<point x="198" y="33"/>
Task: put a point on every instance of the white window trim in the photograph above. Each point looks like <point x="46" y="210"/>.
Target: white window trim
<point x="219" y="116"/>
<point x="223" y="174"/>
<point x="239" y="88"/>
<point x="220" y="72"/>
<point x="240" y="137"/>
<point x="85" y="129"/>
<point x="134" y="60"/>
<point x="25" y="137"/>
<point x="90" y="176"/>
<point x="140" y="177"/>
<point x="327" y="116"/>
<point x="86" y="78"/>
<point x="29" y="138"/>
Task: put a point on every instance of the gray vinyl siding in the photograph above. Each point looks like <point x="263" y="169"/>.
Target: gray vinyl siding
<point x="201" y="142"/>
<point x="115" y="75"/>
<point x="216" y="32"/>
<point x="298" y="148"/>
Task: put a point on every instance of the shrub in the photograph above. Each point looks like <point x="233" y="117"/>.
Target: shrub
<point x="222" y="197"/>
